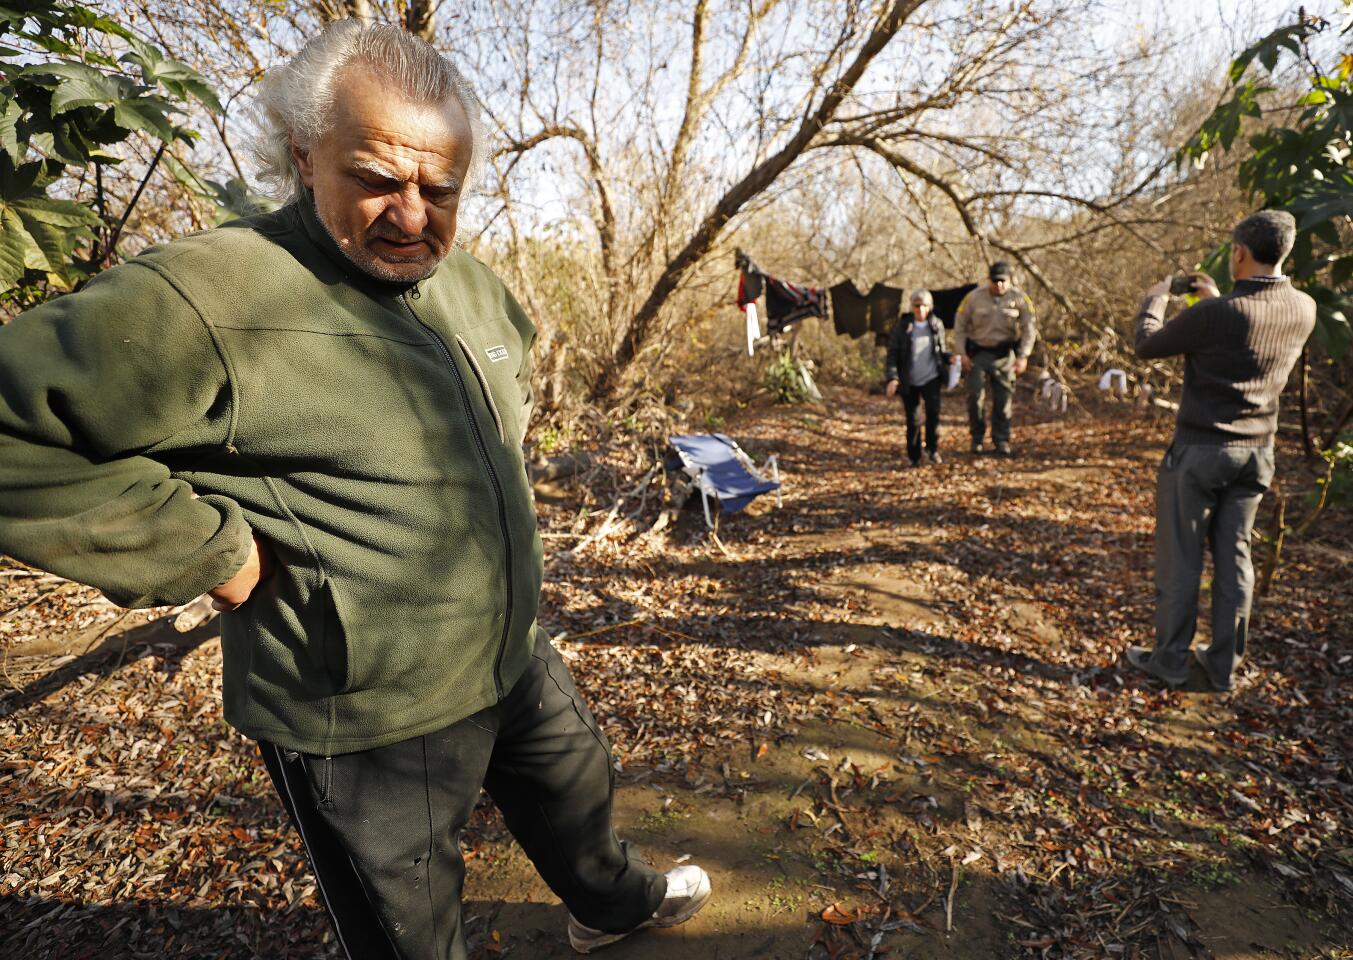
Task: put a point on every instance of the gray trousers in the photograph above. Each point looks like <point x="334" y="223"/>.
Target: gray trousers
<point x="1206" y="494"/>
<point x="999" y="368"/>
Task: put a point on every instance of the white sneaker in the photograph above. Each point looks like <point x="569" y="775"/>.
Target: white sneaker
<point x="687" y="890"/>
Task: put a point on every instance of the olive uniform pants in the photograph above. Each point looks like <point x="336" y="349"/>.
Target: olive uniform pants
<point x="999" y="368"/>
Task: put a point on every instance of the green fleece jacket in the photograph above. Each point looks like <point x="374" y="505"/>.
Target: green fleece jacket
<point x="251" y="379"/>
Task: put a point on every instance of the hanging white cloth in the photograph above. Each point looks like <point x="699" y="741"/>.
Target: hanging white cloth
<point x="955" y="372"/>
<point x="1052" y="393"/>
<point x="753" y="327"/>
<point x="1114" y="380"/>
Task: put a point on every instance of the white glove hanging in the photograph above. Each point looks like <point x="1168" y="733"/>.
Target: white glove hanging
<point x="955" y="372"/>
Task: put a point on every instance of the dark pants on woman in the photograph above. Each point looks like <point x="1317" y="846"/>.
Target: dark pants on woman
<point x="911" y="399"/>
<point x="382" y="827"/>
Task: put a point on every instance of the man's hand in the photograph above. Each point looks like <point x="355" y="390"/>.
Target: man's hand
<point x="1204" y="287"/>
<point x="891" y="388"/>
<point x="1021" y="364"/>
<point x="966" y="362"/>
<point x="1161" y="289"/>
<point x="232" y="594"/>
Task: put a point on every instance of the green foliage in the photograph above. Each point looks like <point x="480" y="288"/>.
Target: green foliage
<point x="1336" y="487"/>
<point x="785" y="380"/>
<point x="64" y="100"/>
<point x="232" y="199"/>
<point x="1303" y="168"/>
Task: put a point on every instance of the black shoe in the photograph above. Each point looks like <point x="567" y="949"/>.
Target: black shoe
<point x="934" y="457"/>
<point x="977" y="446"/>
<point x="1003" y="450"/>
<point x="915" y="463"/>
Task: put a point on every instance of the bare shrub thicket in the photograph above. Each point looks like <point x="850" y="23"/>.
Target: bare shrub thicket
<point x="910" y="142"/>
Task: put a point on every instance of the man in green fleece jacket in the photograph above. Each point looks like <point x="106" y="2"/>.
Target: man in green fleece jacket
<point x="316" y="416"/>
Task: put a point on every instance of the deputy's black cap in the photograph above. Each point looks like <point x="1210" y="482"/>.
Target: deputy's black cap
<point x="1000" y="270"/>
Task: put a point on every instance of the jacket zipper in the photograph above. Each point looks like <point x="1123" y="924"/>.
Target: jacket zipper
<point x="483" y="451"/>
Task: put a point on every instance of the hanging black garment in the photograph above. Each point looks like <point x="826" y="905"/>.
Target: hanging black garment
<point x="885" y="306"/>
<point x="850" y="310"/>
<point x="750" y="279"/>
<point x="787" y="303"/>
<point x="947" y="301"/>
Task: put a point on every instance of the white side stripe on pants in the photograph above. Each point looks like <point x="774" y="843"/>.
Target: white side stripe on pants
<point x="319" y="880"/>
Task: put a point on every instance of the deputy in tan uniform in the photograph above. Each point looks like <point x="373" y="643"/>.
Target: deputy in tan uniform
<point x="995" y="331"/>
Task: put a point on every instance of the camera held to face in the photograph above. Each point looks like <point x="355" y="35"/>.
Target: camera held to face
<point x="1182" y="284"/>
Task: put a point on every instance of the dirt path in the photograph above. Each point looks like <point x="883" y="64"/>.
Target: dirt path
<point x="895" y="700"/>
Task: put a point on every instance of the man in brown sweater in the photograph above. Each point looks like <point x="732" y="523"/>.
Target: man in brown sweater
<point x="1238" y="351"/>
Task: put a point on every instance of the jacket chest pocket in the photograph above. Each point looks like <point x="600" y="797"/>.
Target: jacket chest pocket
<point x="493" y="352"/>
<point x="484" y="385"/>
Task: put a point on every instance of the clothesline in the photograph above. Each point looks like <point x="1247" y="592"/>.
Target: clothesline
<point x="853" y="313"/>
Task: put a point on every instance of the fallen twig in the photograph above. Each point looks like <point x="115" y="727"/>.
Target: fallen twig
<point x="570" y="637"/>
<point x="949" y="900"/>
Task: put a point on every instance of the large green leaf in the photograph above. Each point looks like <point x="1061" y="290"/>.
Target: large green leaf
<point x="175" y="76"/>
<point x="80" y="85"/>
<point x="57" y="245"/>
<point x="10" y="114"/>
<point x="145" y="115"/>
<point x="41" y="234"/>
<point x="18" y="181"/>
<point x="19" y="252"/>
<point x="1341" y="271"/>
<point x="1217" y="265"/>
<point x="1332" y="330"/>
<point x="1268" y="49"/>
<point x="66" y="214"/>
<point x="232" y="199"/>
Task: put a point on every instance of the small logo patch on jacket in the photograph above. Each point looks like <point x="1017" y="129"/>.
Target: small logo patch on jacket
<point x="496" y="353"/>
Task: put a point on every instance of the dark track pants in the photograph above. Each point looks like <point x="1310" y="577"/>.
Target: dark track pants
<point x="382" y="827"/>
<point x="911" y="400"/>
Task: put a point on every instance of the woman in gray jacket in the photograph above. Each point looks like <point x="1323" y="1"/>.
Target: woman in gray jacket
<point x="914" y="367"/>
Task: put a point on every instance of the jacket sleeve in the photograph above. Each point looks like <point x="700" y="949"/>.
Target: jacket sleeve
<point x="962" y="316"/>
<point x="941" y="346"/>
<point x="1156" y="339"/>
<point x="527" y="365"/>
<point x="893" y="358"/>
<point x="92" y="386"/>
<point x="1028" y="326"/>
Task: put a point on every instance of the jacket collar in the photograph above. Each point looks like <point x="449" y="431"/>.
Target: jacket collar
<point x="314" y="230"/>
<point x="1258" y="284"/>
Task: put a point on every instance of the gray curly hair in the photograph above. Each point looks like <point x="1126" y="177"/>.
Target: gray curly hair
<point x="295" y="99"/>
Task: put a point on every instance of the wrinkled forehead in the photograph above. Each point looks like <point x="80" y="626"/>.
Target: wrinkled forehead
<point x="379" y="129"/>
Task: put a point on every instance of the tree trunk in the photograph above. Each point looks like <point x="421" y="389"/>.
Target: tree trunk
<point x="748" y="188"/>
<point x="420" y="18"/>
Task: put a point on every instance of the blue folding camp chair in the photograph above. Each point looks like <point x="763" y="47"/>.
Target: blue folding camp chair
<point x="720" y="470"/>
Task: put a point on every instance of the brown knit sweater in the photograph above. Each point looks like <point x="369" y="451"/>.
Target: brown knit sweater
<point x="1238" y="351"/>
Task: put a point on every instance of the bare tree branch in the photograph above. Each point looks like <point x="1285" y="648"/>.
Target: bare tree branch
<point x="760" y="177"/>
